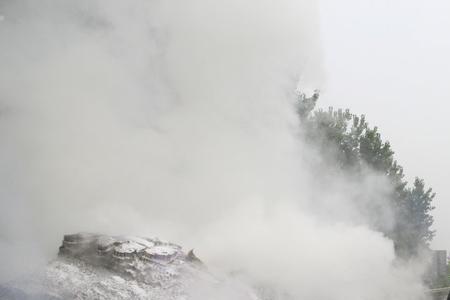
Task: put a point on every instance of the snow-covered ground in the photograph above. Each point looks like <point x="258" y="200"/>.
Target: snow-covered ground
<point x="103" y="267"/>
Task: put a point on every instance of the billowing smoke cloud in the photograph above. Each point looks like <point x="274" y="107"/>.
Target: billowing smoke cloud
<point x="176" y="118"/>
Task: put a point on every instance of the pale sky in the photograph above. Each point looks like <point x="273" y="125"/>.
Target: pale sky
<point x="390" y="60"/>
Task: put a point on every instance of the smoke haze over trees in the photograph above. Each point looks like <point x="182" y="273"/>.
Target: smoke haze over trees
<point x="351" y="146"/>
<point x="174" y="118"/>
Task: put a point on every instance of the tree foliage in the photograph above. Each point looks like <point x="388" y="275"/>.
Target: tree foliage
<point x="348" y="142"/>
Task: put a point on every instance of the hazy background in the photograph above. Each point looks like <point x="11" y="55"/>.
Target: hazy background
<point x="390" y="60"/>
<point x="177" y="118"/>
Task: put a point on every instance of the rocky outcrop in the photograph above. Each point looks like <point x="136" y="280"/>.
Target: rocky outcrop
<point x="96" y="266"/>
<point x="134" y="257"/>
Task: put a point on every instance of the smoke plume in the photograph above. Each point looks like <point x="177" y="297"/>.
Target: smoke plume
<point x="177" y="119"/>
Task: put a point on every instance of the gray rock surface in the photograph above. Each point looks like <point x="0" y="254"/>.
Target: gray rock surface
<point x="94" y="266"/>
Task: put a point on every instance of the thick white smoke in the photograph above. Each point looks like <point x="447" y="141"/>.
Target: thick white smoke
<point x="176" y="118"/>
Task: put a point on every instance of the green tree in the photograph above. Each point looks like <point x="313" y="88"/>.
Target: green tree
<point x="414" y="226"/>
<point x="348" y="142"/>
